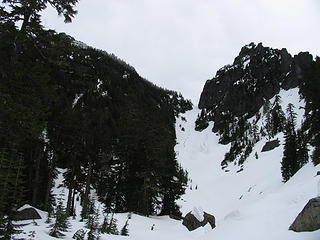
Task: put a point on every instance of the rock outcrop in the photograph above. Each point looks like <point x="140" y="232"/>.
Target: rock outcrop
<point x="27" y="214"/>
<point x="257" y="74"/>
<point x="270" y="145"/>
<point x="309" y="218"/>
<point x="191" y="222"/>
<point x="233" y="98"/>
<point x="266" y="70"/>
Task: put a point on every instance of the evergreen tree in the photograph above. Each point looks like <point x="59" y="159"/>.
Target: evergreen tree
<point x="28" y="10"/>
<point x="266" y="106"/>
<point x="11" y="180"/>
<point x="61" y="223"/>
<point x="309" y="90"/>
<point x="93" y="225"/>
<point x="316" y="155"/>
<point x="49" y="220"/>
<point x="277" y="117"/>
<point x="7" y="226"/>
<point x="11" y="191"/>
<point x="290" y="163"/>
<point x="302" y="148"/>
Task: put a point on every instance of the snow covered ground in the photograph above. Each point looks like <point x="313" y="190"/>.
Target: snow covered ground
<point x="248" y="205"/>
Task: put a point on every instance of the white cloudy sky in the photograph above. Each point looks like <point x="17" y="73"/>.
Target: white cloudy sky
<point x="179" y="44"/>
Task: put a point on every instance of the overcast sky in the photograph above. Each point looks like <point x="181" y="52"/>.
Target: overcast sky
<point x="179" y="44"/>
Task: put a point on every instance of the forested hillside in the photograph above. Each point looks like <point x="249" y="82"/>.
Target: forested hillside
<point x="64" y="104"/>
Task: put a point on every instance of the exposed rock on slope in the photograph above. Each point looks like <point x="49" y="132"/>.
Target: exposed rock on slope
<point x="271" y="145"/>
<point x="309" y="218"/>
<point x="27" y="214"/>
<point x="191" y="222"/>
<point x="256" y="74"/>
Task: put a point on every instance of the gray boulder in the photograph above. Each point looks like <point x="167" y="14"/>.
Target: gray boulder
<point x="271" y="145"/>
<point x="309" y="218"/>
<point x="27" y="214"/>
<point x="192" y="223"/>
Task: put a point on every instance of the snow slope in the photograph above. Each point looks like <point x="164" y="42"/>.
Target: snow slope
<point x="253" y="203"/>
<point x="248" y="205"/>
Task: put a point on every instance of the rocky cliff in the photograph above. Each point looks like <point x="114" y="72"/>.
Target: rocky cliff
<point x="238" y="91"/>
<point x="256" y="75"/>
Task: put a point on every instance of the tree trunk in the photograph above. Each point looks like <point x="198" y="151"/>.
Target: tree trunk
<point x="36" y="181"/>
<point x="69" y="209"/>
<point x="48" y="190"/>
<point x="72" y="213"/>
<point x="26" y="19"/>
<point x="87" y="190"/>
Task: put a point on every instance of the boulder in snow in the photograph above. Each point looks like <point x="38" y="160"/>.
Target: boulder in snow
<point x="191" y="220"/>
<point x="27" y="214"/>
<point x="309" y="218"/>
<point x="271" y="145"/>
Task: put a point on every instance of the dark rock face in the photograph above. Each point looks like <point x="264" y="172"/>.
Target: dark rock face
<point x="257" y="74"/>
<point x="299" y="63"/>
<point x="27" y="214"/>
<point x="192" y="223"/>
<point x="175" y="217"/>
<point x="270" y="145"/>
<point x="309" y="218"/>
<point x="210" y="219"/>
